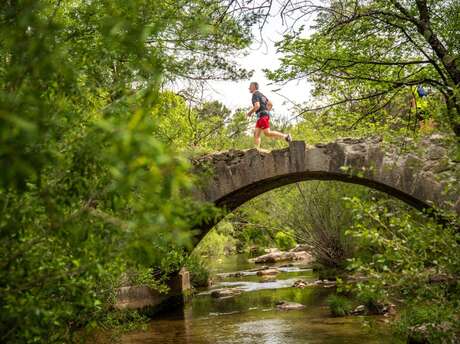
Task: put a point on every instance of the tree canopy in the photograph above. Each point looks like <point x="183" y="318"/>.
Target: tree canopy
<point x="363" y="55"/>
<point x="86" y="190"/>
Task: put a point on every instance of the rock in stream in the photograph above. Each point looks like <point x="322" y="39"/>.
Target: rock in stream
<point x="279" y="256"/>
<point x="287" y="306"/>
<point x="226" y="292"/>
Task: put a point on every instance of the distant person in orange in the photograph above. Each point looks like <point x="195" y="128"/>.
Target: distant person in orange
<point x="262" y="106"/>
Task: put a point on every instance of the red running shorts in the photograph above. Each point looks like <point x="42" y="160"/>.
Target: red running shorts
<point x="263" y="122"/>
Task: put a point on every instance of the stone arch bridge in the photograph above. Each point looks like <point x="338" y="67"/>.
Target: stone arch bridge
<point x="236" y="176"/>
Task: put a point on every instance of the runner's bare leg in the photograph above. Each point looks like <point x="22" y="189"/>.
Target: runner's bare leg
<point x="257" y="132"/>
<point x="274" y="134"/>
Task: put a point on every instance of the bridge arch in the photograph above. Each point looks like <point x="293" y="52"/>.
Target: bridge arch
<point x="234" y="177"/>
<point x="231" y="178"/>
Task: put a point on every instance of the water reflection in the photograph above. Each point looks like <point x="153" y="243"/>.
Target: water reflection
<point x="268" y="331"/>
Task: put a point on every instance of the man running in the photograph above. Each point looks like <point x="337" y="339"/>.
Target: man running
<point x="262" y="106"/>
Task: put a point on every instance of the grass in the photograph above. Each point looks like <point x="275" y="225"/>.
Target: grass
<point x="339" y="305"/>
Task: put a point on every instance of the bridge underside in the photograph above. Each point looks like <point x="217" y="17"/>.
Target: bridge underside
<point x="236" y="198"/>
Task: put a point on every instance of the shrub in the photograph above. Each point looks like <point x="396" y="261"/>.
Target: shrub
<point x="216" y="243"/>
<point x="319" y="218"/>
<point x="284" y="241"/>
<point x="199" y="274"/>
<point x="373" y="299"/>
<point x="428" y="323"/>
<point x="124" y="320"/>
<point x="339" y="305"/>
<point x="415" y="260"/>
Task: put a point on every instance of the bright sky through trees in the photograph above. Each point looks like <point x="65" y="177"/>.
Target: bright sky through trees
<point x="262" y="54"/>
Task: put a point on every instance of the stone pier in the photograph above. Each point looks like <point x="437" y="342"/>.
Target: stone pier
<point x="151" y="301"/>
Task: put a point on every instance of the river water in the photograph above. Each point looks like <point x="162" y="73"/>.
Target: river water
<point x="252" y="316"/>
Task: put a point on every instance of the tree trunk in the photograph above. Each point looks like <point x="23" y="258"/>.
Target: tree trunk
<point x="424" y="28"/>
<point x="453" y="109"/>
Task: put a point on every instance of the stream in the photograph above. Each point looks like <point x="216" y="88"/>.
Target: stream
<point x="253" y="317"/>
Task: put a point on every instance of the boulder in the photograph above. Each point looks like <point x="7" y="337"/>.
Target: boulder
<point x="419" y="334"/>
<point x="383" y="309"/>
<point x="318" y="283"/>
<point x="300" y="284"/>
<point x="361" y="309"/>
<point x="302" y="255"/>
<point x="287" y="306"/>
<point x="279" y="256"/>
<point x="389" y="309"/>
<point x="235" y="274"/>
<point x="272" y="257"/>
<point x="436" y="152"/>
<point x="298" y="255"/>
<point x="226" y="292"/>
<point x="271" y="250"/>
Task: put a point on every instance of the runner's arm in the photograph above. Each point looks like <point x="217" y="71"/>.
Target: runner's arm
<point x="269" y="105"/>
<point x="254" y="109"/>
